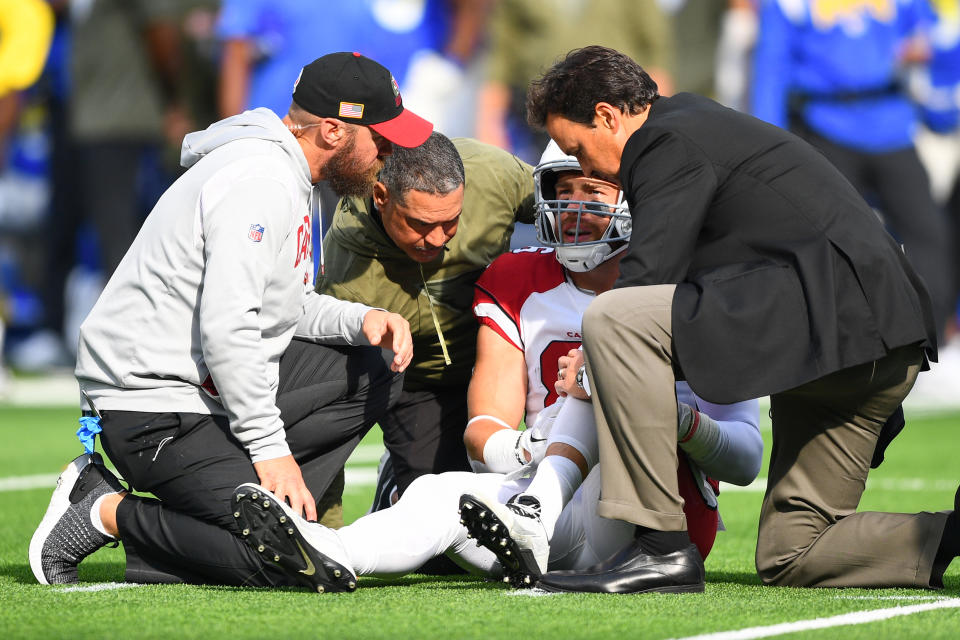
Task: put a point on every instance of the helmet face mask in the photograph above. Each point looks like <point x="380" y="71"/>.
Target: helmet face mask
<point x="553" y="213"/>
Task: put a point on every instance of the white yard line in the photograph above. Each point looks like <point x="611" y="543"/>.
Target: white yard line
<point x="366" y="454"/>
<point x="857" y="617"/>
<point x="890" y="598"/>
<point x="531" y="593"/>
<point x="102" y="586"/>
<point x="888" y="484"/>
<point x="54" y="390"/>
<point x="22" y="483"/>
<point x="355" y="477"/>
<point x="367" y="476"/>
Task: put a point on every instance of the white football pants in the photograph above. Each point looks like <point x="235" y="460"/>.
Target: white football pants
<point x="426" y="523"/>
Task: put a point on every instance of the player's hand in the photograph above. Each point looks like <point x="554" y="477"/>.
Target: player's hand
<point x="566" y="384"/>
<point x="390" y="331"/>
<point x="282" y="477"/>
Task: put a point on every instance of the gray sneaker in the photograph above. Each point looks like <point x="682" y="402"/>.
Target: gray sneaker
<point x="512" y="531"/>
<point x="66" y="534"/>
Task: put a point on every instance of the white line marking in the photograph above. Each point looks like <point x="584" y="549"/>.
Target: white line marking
<point x="530" y="593"/>
<point x="22" y="483"/>
<point x="366" y="453"/>
<point x="103" y="586"/>
<point x="757" y="486"/>
<point x="857" y="617"/>
<point x="891" y="598"/>
<point x="55" y="390"/>
<point x="367" y="477"/>
<point x="887" y="484"/>
<point x="359" y="477"/>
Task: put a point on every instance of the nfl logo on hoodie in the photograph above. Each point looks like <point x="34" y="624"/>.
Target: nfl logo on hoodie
<point x="255" y="233"/>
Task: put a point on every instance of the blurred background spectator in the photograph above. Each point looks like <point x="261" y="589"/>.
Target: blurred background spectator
<point x="734" y="61"/>
<point x="86" y="150"/>
<point x="428" y="45"/>
<point x="527" y="37"/>
<point x="936" y="88"/>
<point x="110" y="106"/>
<point x="26" y="32"/>
<point x="836" y="74"/>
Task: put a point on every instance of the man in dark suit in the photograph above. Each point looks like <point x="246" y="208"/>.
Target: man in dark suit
<point x="754" y="269"/>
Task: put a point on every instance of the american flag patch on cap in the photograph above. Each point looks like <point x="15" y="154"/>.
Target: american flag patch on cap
<point x="351" y="110"/>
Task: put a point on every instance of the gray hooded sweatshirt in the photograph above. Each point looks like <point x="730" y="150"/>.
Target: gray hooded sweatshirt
<point x="215" y="286"/>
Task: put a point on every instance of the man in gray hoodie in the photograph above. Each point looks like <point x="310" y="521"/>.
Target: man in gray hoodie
<point x="210" y="361"/>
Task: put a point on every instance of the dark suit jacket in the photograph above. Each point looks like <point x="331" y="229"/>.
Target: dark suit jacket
<point x="784" y="273"/>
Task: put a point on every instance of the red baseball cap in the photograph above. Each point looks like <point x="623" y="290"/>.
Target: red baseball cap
<point x="354" y="88"/>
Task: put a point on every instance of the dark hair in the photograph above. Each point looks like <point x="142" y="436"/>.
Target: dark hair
<point x="572" y="87"/>
<point x="433" y="167"/>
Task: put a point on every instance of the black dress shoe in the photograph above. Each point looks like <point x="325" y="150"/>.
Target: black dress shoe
<point x="632" y="570"/>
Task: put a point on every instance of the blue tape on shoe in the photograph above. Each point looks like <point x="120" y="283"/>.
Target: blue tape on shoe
<point x="89" y="428"/>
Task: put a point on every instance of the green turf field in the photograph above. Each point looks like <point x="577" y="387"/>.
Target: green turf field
<point x="921" y="472"/>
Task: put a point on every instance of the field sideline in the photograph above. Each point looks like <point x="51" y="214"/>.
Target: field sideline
<point x="921" y="472"/>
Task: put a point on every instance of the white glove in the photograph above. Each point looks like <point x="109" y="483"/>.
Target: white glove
<point x="534" y="439"/>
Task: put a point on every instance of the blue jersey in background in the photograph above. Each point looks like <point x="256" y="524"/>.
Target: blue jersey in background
<point x="287" y="34"/>
<point x="837" y="64"/>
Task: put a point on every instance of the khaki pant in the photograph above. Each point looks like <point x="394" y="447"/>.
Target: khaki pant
<point x="824" y="435"/>
<point x="627" y="343"/>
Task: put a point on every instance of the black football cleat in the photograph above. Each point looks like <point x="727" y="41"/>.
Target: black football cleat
<point x="512" y="531"/>
<point x="307" y="551"/>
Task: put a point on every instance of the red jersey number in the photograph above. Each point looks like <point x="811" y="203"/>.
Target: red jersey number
<point x="548" y="366"/>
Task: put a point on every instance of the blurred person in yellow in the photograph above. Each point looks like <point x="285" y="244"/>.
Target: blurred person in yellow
<point x="26" y="30"/>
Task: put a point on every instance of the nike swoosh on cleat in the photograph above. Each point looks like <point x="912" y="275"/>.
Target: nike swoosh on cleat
<point x="310" y="569"/>
<point x="532" y="439"/>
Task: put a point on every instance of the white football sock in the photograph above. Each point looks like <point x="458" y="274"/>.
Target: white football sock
<point x="698" y="434"/>
<point x="576" y="426"/>
<point x="556" y="480"/>
<point x="95" y="515"/>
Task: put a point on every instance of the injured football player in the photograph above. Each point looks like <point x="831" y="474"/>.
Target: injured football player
<point x="532" y="506"/>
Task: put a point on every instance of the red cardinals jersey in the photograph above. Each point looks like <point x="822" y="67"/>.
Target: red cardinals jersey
<point x="527" y="298"/>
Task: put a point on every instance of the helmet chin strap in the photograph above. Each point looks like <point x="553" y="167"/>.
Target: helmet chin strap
<point x="583" y="259"/>
<point x="575" y="258"/>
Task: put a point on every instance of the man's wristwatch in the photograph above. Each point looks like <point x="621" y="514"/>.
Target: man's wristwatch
<point x="582" y="380"/>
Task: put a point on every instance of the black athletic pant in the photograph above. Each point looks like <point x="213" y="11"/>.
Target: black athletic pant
<point x="424" y="433"/>
<point x="329" y="397"/>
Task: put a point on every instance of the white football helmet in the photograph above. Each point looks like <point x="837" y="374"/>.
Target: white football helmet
<point x="577" y="255"/>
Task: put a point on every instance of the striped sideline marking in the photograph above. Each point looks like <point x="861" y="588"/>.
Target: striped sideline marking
<point x="857" y="617"/>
